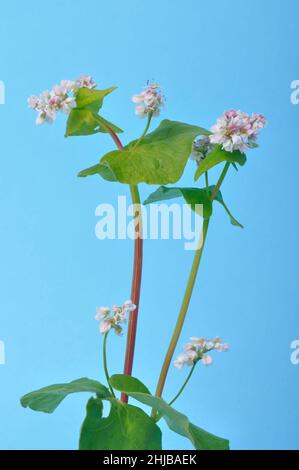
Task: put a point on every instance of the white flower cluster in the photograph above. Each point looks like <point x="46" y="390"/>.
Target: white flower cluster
<point x="149" y="101"/>
<point x="112" y="319"/>
<point x="60" y="98"/>
<point x="236" y="130"/>
<point x="197" y="350"/>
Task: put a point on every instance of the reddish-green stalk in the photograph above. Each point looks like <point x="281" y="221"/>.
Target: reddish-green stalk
<point x="137" y="273"/>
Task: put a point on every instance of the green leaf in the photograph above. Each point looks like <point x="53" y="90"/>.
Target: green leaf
<point x="84" y="122"/>
<point x="177" y="422"/>
<point x="126" y="428"/>
<point x="92" y="99"/>
<point x="219" y="199"/>
<point x="84" y="119"/>
<point x="218" y="155"/>
<point x="98" y="169"/>
<point x="192" y="196"/>
<point x="160" y="158"/>
<point x="121" y="381"/>
<point x="47" y="399"/>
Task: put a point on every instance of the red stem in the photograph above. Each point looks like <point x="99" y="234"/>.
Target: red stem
<point x="135" y="295"/>
<point x="136" y="282"/>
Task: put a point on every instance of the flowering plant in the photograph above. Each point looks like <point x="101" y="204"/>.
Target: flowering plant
<point x="156" y="158"/>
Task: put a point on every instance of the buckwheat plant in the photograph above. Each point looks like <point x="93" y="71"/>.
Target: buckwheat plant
<point x="156" y="158"/>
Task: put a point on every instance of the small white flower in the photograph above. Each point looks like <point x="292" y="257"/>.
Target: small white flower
<point x="140" y="111"/>
<point x="198" y="343"/>
<point x="68" y="104"/>
<point x="116" y="309"/>
<point x="207" y="360"/>
<point x="222" y="347"/>
<point x="209" y="345"/>
<point x="137" y="99"/>
<point x="33" y="102"/>
<point x="102" y="312"/>
<point x="105" y="326"/>
<point x="129" y="306"/>
<point x="180" y="361"/>
<point x="86" y="81"/>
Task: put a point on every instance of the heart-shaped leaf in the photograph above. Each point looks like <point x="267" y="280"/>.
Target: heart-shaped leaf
<point x="84" y="119"/>
<point x="216" y="156"/>
<point x="126" y="428"/>
<point x="160" y="158"/>
<point x="47" y="399"/>
<point x="177" y="422"/>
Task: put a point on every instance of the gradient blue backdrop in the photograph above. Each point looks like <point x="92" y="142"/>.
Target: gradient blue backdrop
<point x="208" y="56"/>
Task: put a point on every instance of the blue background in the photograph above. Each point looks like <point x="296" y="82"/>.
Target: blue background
<point x="208" y="57"/>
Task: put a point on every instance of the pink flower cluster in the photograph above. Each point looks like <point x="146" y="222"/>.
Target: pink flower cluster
<point x="112" y="319"/>
<point x="196" y="351"/>
<point x="149" y="101"/>
<point x="60" y="98"/>
<point x="236" y="130"/>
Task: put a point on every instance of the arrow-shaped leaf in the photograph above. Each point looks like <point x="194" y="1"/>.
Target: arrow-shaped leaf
<point x="193" y="197"/>
<point x="47" y="399"/>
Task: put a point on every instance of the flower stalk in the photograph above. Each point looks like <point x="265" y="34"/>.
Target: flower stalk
<point x="106" y="365"/>
<point x="183" y="386"/>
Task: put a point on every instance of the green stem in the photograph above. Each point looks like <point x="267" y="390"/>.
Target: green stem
<point x="183" y="386"/>
<point x="220" y="181"/>
<point x="187" y="296"/>
<point x="183" y="311"/>
<point x="207" y="183"/>
<point x="105" y="363"/>
<point x="149" y="118"/>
